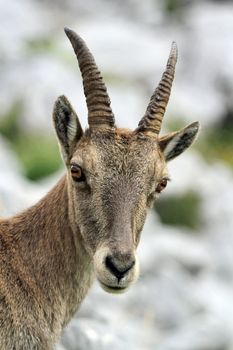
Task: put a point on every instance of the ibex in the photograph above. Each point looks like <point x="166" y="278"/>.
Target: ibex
<point x="89" y="224"/>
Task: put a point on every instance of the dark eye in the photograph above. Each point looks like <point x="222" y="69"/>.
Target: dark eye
<point x="162" y="184"/>
<point x="77" y="173"/>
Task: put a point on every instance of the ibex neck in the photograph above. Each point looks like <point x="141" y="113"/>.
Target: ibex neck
<point x="52" y="256"/>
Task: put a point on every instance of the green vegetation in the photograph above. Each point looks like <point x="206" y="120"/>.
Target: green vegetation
<point x="47" y="46"/>
<point x="171" y="6"/>
<point x="9" y="126"/>
<point x="174" y="123"/>
<point x="182" y="210"/>
<point x="40" y="45"/>
<point x="37" y="152"/>
<point x="175" y="8"/>
<point x="214" y="143"/>
<point x="217" y="144"/>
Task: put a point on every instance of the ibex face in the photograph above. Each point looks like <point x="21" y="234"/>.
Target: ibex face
<point x="114" y="174"/>
<point x="120" y="172"/>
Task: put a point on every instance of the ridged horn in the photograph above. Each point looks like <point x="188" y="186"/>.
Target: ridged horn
<point x="152" y="120"/>
<point x="98" y="102"/>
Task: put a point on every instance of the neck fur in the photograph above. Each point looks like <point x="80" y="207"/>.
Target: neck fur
<point x="51" y="257"/>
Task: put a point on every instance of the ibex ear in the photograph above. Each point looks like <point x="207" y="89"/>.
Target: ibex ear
<point x="67" y="126"/>
<point x="176" y="143"/>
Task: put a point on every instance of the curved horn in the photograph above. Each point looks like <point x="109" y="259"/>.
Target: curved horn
<point x="153" y="117"/>
<point x="97" y="99"/>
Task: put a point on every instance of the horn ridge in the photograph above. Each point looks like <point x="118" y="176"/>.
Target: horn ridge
<point x="152" y="120"/>
<point x="94" y="88"/>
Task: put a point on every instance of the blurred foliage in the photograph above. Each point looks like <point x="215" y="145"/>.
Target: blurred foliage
<point x="47" y="45"/>
<point x="175" y="8"/>
<point x="37" y="152"/>
<point x="180" y="210"/>
<point x="40" y="45"/>
<point x="171" y="6"/>
<point x="217" y="143"/>
<point x="9" y="126"/>
<point x="175" y="123"/>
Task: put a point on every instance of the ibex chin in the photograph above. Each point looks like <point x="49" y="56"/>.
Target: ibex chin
<point x="89" y="224"/>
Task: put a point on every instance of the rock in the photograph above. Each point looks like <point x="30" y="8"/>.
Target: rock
<point x="60" y="347"/>
<point x="92" y="335"/>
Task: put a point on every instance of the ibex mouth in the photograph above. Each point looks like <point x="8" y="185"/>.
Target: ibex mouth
<point x="113" y="274"/>
<point x="111" y="289"/>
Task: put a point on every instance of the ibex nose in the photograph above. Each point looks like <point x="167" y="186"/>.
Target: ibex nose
<point x="117" y="269"/>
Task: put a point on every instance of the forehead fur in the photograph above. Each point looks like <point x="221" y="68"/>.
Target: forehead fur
<point x="121" y="150"/>
<point x="118" y="137"/>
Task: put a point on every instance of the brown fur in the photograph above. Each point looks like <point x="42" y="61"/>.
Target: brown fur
<point x="44" y="273"/>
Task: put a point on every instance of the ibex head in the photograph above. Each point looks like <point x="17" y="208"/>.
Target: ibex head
<point x="114" y="175"/>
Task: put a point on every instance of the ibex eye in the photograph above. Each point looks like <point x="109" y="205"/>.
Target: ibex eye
<point x="77" y="173"/>
<point x="162" y="184"/>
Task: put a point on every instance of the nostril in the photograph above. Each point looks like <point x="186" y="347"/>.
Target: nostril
<point x="119" y="272"/>
<point x="112" y="267"/>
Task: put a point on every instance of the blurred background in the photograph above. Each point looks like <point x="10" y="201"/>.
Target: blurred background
<point x="184" y="297"/>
